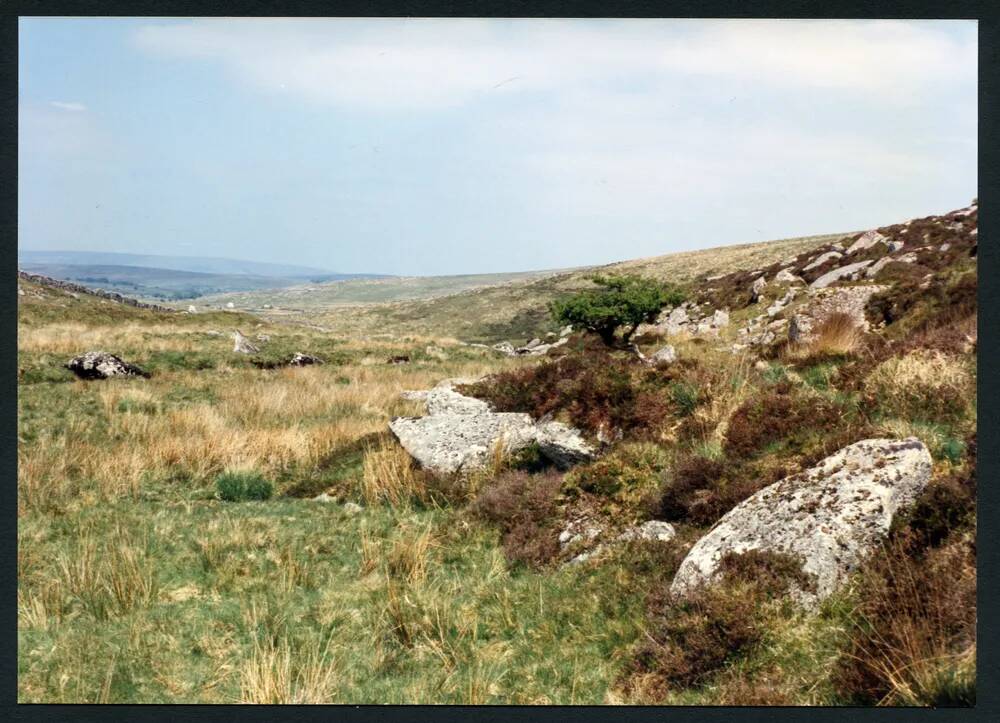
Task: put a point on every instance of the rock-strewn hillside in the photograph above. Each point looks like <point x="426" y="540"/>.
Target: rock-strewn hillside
<point x="769" y="498"/>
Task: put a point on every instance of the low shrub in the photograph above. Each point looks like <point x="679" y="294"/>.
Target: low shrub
<point x="628" y="475"/>
<point x="700" y="489"/>
<point x="243" y="486"/>
<point x="524" y="507"/>
<point x="913" y="632"/>
<point x="692" y="638"/>
<point x="595" y="390"/>
<point x="779" y="415"/>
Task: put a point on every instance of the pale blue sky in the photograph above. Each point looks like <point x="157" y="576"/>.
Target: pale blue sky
<point x="461" y="146"/>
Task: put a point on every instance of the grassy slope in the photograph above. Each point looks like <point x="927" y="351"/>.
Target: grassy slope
<point x="517" y="311"/>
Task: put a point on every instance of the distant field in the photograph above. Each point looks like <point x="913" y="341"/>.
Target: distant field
<point x="368" y="291"/>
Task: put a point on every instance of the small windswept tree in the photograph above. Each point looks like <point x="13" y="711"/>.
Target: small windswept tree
<point x="620" y="301"/>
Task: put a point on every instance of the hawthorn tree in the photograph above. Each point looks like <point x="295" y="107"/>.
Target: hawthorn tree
<point x="620" y="301"/>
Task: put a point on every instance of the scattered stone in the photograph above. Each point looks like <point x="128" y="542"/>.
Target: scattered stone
<point x="353" y="508"/>
<point x="822" y="259"/>
<point x="192" y="309"/>
<point x="324" y="497"/>
<point x="665" y="355"/>
<point x="20" y="292"/>
<point x="829" y="516"/>
<point x="533" y="343"/>
<point x="230" y="305"/>
<point x="653" y="531"/>
<point x="785" y="276"/>
<point x="505" y="347"/>
<point x="303" y="360"/>
<point x="459" y="433"/>
<point x="866" y="241"/>
<point x="757" y="288"/>
<point x="263" y="337"/>
<point x="566" y="330"/>
<point x="101" y="365"/>
<point x="242" y="345"/>
<point x="720" y="318"/>
<point x="844" y="272"/>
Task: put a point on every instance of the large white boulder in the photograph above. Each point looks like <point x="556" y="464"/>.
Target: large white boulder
<point x="452" y="442"/>
<point x="460" y="433"/>
<point x="829" y="516"/>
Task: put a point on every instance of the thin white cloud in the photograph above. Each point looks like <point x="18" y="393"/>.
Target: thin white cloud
<point x="431" y="63"/>
<point x="65" y="105"/>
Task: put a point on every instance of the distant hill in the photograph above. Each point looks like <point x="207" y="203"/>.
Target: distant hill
<point x="171" y="277"/>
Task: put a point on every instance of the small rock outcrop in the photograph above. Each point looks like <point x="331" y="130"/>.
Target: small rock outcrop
<point x="242" y="345"/>
<point x="666" y="355"/>
<point x="822" y="259"/>
<point x="101" y="365"/>
<point x="829" y="516"/>
<point x="304" y="360"/>
<point x="459" y="432"/>
<point x="850" y="271"/>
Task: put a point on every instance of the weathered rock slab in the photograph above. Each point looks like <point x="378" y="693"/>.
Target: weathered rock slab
<point x="829" y="516"/>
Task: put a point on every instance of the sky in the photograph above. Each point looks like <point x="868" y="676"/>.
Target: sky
<point x="448" y="146"/>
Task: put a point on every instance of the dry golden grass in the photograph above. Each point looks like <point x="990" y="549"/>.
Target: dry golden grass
<point x="389" y="475"/>
<point x="925" y="385"/>
<point x="408" y="557"/>
<point x="275" y="674"/>
<point x="70" y="337"/>
<point x="837" y="334"/>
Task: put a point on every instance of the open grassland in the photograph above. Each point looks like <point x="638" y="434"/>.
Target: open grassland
<point x="310" y="297"/>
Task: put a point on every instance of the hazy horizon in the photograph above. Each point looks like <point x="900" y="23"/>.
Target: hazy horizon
<point x="449" y="147"/>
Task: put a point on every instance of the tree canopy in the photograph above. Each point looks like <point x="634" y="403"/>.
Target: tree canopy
<point x="620" y="301"/>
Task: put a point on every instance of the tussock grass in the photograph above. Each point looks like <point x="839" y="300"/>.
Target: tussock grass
<point x="389" y="475"/>
<point x="923" y="385"/>
<point x="836" y="335"/>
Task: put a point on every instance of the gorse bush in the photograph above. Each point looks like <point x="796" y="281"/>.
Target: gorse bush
<point x="620" y="302"/>
<point x="243" y="486"/>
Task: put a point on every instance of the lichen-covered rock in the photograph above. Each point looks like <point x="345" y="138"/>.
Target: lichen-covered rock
<point x="242" y="345"/>
<point x="651" y="531"/>
<point x="822" y="259"/>
<point x="459" y="432"/>
<point x="562" y="444"/>
<point x="450" y="442"/>
<point x="443" y="399"/>
<point x="101" y="365"/>
<point x="758" y="287"/>
<point x="829" y="516"/>
<point x="844" y="272"/>
<point x="866" y="241"/>
<point x="785" y="276"/>
<point x="666" y="355"/>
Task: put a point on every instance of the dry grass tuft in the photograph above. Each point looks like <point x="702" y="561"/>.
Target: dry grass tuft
<point x="925" y="385"/>
<point x="837" y="335"/>
<point x="275" y="674"/>
<point x="388" y="475"/>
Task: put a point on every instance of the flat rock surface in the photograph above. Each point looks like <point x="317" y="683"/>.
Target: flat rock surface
<point x="830" y="516"/>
